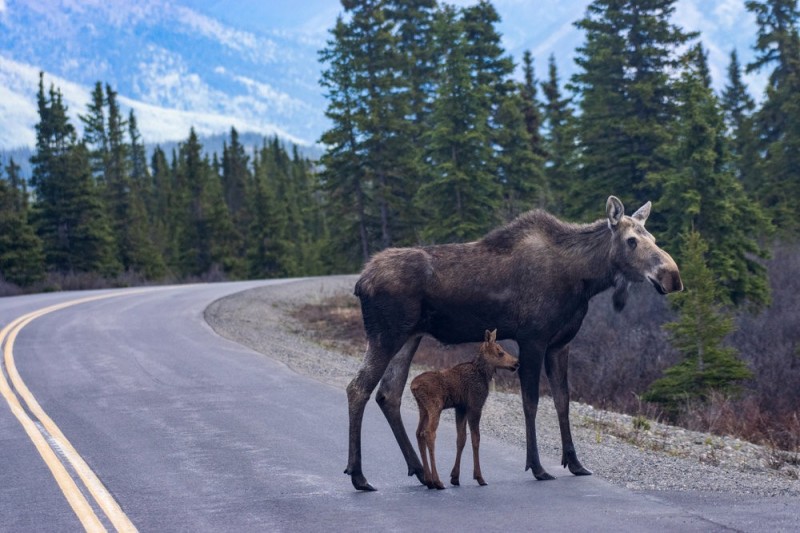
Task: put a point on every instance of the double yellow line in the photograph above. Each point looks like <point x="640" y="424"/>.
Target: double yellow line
<point x="91" y="482"/>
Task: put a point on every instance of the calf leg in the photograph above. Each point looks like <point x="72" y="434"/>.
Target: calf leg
<point x="390" y="396"/>
<point x="529" y="371"/>
<point x="423" y="445"/>
<point x="461" y="440"/>
<point x="358" y="392"/>
<point x="475" y="434"/>
<point x="556" y="364"/>
<point x="430" y="440"/>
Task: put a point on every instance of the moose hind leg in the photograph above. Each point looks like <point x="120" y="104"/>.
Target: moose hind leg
<point x="389" y="398"/>
<point x="358" y="393"/>
<point x="556" y="364"/>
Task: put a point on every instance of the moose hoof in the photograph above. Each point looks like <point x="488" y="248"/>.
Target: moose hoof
<point x="419" y="472"/>
<point x="481" y="482"/>
<point x="360" y="483"/>
<point x="579" y="470"/>
<point x="454" y="481"/>
<point x="438" y="485"/>
<point x="542" y="476"/>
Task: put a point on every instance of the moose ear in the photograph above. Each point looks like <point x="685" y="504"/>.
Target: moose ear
<point x="614" y="210"/>
<point x="642" y="213"/>
<point x="487" y="335"/>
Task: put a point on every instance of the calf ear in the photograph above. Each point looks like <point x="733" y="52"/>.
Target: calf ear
<point x="487" y="335"/>
<point x="642" y="213"/>
<point x="493" y="335"/>
<point x="614" y="210"/>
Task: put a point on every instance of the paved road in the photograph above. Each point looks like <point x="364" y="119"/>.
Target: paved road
<point x="191" y="432"/>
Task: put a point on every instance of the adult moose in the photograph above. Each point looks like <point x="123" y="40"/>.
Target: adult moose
<point x="531" y="279"/>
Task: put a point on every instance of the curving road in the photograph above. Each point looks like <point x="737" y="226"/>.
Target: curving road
<point x="188" y="431"/>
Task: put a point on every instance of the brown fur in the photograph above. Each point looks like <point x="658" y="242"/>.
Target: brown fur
<point x="464" y="388"/>
<point x="532" y="279"/>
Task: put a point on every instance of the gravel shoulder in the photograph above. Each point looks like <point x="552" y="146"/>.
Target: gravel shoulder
<point x="642" y="457"/>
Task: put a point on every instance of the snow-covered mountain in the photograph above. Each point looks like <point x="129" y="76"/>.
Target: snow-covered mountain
<point x="173" y="65"/>
<point x="251" y="64"/>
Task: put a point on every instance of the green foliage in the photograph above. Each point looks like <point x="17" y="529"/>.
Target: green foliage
<point x="626" y="99"/>
<point x="776" y="181"/>
<point x="701" y="191"/>
<point x="21" y="256"/>
<point x="698" y="334"/>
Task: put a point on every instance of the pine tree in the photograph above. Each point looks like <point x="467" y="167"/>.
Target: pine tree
<point x="559" y="141"/>
<point x="462" y="196"/>
<point x="698" y="334"/>
<point x="69" y="214"/>
<point x="21" y="255"/>
<point x="205" y="231"/>
<point x="344" y="179"/>
<point x="94" y="132"/>
<point x="701" y="191"/>
<point x="625" y="98"/>
<point x="778" y="120"/>
<point x="738" y="107"/>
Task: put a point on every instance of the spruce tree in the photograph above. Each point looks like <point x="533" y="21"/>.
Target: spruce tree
<point x="778" y="120"/>
<point x="701" y="191"/>
<point x="69" y="213"/>
<point x="21" y="255"/>
<point x="698" y="333"/>
<point x="626" y="98"/>
<point x="462" y="196"/>
<point x="559" y="141"/>
<point x="343" y="178"/>
<point x="738" y="107"/>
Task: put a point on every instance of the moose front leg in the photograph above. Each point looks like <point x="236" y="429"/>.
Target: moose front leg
<point x="529" y="371"/>
<point x="556" y="364"/>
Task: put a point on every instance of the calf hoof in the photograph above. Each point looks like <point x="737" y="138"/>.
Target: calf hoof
<point x="454" y="481"/>
<point x="481" y="482"/>
<point x="438" y="485"/>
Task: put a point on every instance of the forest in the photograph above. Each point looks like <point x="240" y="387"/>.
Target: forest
<point x="435" y="138"/>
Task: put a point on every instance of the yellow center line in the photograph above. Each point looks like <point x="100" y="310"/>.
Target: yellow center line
<point x="95" y="487"/>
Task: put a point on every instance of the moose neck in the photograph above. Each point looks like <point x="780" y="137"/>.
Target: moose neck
<point x="587" y="250"/>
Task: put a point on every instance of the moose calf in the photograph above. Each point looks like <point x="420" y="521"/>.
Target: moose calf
<point x="465" y="388"/>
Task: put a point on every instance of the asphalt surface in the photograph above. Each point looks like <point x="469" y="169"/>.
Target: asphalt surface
<point x="192" y="432"/>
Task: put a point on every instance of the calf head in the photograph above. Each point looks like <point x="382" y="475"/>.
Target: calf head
<point x="494" y="354"/>
<point x="636" y="255"/>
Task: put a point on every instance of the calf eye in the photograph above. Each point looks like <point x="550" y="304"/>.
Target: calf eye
<point x="632" y="243"/>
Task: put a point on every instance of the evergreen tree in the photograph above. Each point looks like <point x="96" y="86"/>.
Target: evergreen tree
<point x="701" y="191"/>
<point x="777" y="124"/>
<point x="530" y="107"/>
<point x="462" y="196"/>
<point x="698" y="334"/>
<point x="21" y="256"/>
<point x="205" y="231"/>
<point x="626" y="98"/>
<point x="738" y="107"/>
<point x="94" y="132"/>
<point x="559" y="141"/>
<point x="69" y="213"/>
<point x="344" y="178"/>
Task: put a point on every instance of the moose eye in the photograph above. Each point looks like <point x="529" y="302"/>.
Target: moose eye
<point x="632" y="243"/>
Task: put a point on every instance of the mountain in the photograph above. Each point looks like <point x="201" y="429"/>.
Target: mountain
<point x="174" y="66"/>
<point x="252" y="64"/>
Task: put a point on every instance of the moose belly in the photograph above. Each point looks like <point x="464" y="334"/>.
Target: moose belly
<point x="460" y="322"/>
